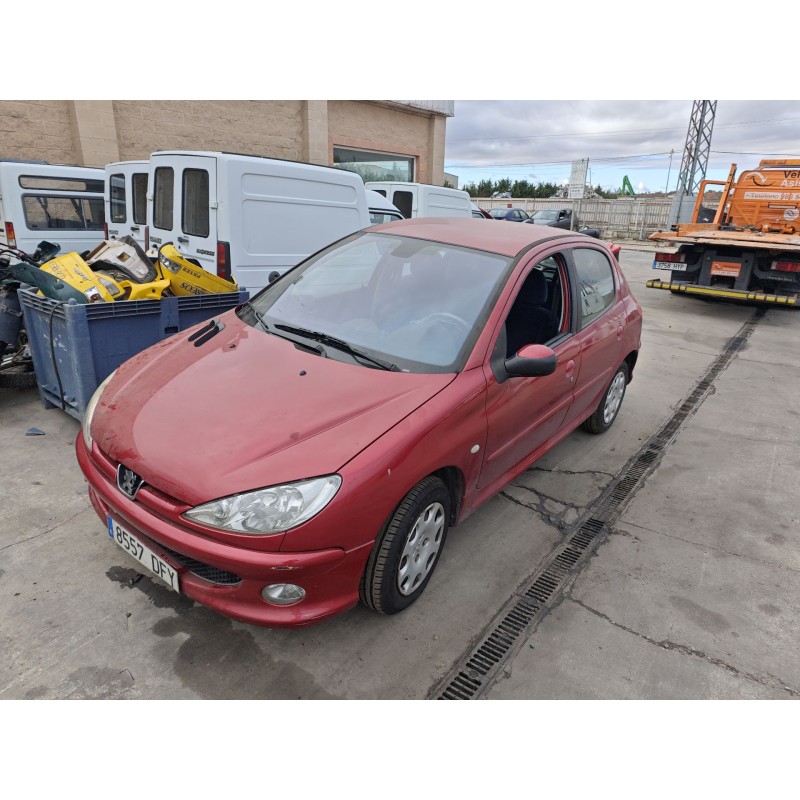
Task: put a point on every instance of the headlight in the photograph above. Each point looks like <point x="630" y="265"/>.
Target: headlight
<point x="89" y="413"/>
<point x="271" y="510"/>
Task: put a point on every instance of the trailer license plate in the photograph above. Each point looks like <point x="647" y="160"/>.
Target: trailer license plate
<point x="143" y="554"/>
<point x="676" y="266"/>
<point x="727" y="269"/>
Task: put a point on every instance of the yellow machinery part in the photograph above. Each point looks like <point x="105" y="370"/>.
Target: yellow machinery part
<point x="72" y="270"/>
<point x="186" y="278"/>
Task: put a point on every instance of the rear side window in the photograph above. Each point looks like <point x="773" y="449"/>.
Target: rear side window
<point x="194" y="209"/>
<point x="596" y="283"/>
<point x="139" y="187"/>
<point x="403" y="201"/>
<point x="56" y="183"/>
<point x="46" y="213"/>
<point x="163" y="198"/>
<point x="116" y="193"/>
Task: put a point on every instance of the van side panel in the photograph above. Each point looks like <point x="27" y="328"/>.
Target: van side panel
<point x="280" y="213"/>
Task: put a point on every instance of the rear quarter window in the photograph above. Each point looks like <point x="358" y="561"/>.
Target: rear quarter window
<point x="595" y="283"/>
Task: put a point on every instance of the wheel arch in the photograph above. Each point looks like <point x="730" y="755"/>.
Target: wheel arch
<point x="631" y="360"/>
<point x="453" y="479"/>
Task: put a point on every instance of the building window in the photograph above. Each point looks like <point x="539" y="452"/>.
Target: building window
<point x="372" y="166"/>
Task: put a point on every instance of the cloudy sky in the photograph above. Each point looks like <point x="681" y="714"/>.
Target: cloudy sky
<point x="537" y="140"/>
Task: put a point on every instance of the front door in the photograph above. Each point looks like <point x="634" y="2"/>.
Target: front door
<point x="524" y="413"/>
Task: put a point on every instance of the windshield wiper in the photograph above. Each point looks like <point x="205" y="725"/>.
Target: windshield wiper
<point x="339" y="344"/>
<point x="263" y="323"/>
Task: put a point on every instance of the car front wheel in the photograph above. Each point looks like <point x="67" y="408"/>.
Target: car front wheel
<point x="407" y="549"/>
<point x="605" y="413"/>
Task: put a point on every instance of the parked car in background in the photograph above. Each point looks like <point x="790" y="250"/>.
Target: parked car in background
<point x="552" y="218"/>
<point x="510" y="214"/>
<point x="480" y="213"/>
<point x="413" y="370"/>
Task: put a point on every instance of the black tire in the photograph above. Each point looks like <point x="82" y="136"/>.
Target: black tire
<point x="600" y="422"/>
<point x="428" y="503"/>
<point x="20" y="376"/>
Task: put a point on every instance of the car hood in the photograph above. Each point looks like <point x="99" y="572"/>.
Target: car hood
<point x="245" y="410"/>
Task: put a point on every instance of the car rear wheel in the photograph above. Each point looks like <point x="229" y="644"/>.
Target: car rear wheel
<point x="605" y="413"/>
<point x="407" y="549"/>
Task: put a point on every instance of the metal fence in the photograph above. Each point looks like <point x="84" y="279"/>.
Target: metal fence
<point x="623" y="218"/>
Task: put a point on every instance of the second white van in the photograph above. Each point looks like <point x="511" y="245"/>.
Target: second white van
<point x="125" y="200"/>
<point x="251" y="217"/>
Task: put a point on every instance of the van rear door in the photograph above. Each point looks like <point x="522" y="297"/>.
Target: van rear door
<point x="184" y="206"/>
<point x="126" y="201"/>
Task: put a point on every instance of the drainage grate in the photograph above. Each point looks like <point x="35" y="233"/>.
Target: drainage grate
<point x="478" y="670"/>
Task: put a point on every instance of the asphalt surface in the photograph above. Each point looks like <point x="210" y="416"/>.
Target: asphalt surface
<point x="693" y="592"/>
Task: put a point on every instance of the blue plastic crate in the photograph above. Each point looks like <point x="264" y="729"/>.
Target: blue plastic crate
<point x="75" y="347"/>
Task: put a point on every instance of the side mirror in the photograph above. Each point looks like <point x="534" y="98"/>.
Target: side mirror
<point x="532" y="361"/>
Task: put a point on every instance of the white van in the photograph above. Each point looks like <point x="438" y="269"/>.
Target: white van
<point x="249" y="216"/>
<point x="53" y="202"/>
<point x="424" y="200"/>
<point x="126" y="201"/>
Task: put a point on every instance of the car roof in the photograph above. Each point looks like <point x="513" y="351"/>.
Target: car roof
<point x="507" y="240"/>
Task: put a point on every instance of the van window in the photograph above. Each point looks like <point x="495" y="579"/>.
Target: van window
<point x="194" y="208"/>
<point x="139" y="198"/>
<point x="116" y="193"/>
<point x="63" y="213"/>
<point x="378" y="217"/>
<point x="163" y="192"/>
<point x="403" y="200"/>
<point x="596" y="281"/>
<point x="61" y="184"/>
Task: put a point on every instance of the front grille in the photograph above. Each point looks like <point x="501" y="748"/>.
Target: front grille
<point x="204" y="571"/>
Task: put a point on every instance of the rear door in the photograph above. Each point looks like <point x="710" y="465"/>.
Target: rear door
<point x="126" y="201"/>
<point x="405" y="199"/>
<point x="184" y="206"/>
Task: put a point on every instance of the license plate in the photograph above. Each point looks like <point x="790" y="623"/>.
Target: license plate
<point x="676" y="266"/>
<point x="143" y="554"/>
<point x="727" y="269"/>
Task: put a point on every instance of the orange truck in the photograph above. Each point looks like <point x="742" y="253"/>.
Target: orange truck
<point x="748" y="249"/>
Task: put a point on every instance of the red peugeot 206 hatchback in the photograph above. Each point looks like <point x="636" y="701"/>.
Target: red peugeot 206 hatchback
<point x="312" y="447"/>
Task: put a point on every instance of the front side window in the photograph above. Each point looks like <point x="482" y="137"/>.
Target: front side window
<point x="58" y="213"/>
<point x="416" y="304"/>
<point x="378" y="217"/>
<point x="139" y="187"/>
<point x="595" y="282"/>
<point x="163" y="198"/>
<point x="195" y="210"/>
<point x="116" y="193"/>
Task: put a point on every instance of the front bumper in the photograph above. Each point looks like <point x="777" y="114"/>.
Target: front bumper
<point x="330" y="577"/>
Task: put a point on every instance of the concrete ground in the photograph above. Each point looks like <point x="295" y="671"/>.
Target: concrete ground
<point x="693" y="595"/>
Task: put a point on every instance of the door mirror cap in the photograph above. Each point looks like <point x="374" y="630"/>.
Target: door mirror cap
<point x="532" y="361"/>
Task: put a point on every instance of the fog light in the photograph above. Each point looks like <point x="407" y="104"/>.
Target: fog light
<point x="283" y="594"/>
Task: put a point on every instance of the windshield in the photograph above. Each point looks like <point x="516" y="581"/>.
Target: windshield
<point x="413" y="303"/>
<point x="546" y="214"/>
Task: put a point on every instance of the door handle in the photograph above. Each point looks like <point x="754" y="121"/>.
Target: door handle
<point x="620" y="331"/>
<point x="569" y="370"/>
<point x="134" y="227"/>
<point x="183" y="239"/>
